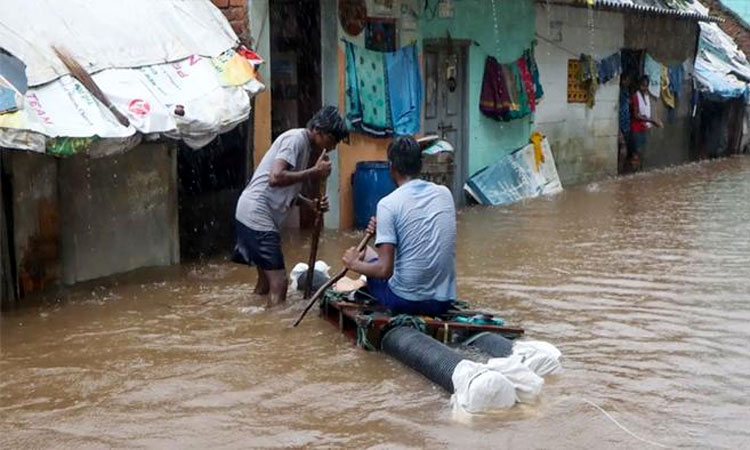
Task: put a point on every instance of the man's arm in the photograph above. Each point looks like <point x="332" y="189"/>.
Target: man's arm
<point x="281" y="176"/>
<point x="382" y="268"/>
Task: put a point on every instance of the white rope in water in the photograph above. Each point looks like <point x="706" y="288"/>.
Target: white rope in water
<point x="622" y="427"/>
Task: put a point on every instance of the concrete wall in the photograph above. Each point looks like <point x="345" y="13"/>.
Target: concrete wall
<point x="670" y="42"/>
<point x="118" y="213"/>
<point x="504" y="38"/>
<point x="583" y="139"/>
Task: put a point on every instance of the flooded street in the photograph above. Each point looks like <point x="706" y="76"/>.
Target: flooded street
<point x="642" y="282"/>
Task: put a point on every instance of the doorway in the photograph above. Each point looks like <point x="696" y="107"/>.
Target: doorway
<point x="446" y="93"/>
<point x="295" y="63"/>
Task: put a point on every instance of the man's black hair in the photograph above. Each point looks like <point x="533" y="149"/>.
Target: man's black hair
<point x="328" y="120"/>
<point x="644" y="78"/>
<point x="405" y="156"/>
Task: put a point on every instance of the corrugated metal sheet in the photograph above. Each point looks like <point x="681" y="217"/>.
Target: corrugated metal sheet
<point x="678" y="9"/>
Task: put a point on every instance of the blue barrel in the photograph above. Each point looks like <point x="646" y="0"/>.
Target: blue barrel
<point x="371" y="182"/>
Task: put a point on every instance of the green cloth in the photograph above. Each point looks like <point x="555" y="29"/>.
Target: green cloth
<point x="520" y="101"/>
<point x="367" y="90"/>
<point x="67" y="146"/>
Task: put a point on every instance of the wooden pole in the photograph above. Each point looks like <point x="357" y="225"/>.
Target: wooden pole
<point x="317" y="227"/>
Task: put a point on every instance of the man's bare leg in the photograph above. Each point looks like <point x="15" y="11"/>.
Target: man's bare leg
<point x="261" y="286"/>
<point x="278" y="285"/>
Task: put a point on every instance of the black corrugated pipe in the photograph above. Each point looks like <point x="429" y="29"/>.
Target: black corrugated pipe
<point x="492" y="344"/>
<point x="422" y="353"/>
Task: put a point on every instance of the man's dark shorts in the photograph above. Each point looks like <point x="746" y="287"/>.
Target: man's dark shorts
<point x="260" y="248"/>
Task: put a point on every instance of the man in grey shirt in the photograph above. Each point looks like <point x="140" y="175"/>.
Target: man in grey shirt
<point x="413" y="267"/>
<point x="274" y="188"/>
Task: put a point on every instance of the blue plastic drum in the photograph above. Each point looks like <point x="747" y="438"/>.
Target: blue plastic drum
<point x="371" y="182"/>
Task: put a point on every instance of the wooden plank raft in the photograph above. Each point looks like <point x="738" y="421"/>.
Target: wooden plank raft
<point x="374" y="320"/>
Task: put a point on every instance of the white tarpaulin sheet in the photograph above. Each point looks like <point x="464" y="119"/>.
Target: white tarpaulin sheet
<point x="515" y="177"/>
<point x="105" y="34"/>
<point x="212" y="94"/>
<point x="169" y="66"/>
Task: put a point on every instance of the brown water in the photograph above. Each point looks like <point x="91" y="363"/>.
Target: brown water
<point x="642" y="282"/>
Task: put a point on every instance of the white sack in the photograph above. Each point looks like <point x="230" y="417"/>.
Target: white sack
<point x="527" y="384"/>
<point x="479" y="388"/>
<point x="541" y="357"/>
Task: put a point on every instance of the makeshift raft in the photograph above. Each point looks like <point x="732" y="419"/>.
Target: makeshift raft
<point x="420" y="342"/>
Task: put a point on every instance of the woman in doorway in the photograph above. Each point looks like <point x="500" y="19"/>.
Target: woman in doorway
<point x="641" y="121"/>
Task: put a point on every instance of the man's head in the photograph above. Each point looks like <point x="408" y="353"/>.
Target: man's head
<point x="327" y="128"/>
<point x="643" y="84"/>
<point x="405" y="158"/>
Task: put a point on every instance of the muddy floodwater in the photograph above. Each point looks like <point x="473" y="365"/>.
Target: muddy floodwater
<point x="643" y="282"/>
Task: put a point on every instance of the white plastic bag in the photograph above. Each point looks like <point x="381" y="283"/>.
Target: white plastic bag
<point x="541" y="357"/>
<point x="478" y="388"/>
<point x="527" y="384"/>
<point x="321" y="269"/>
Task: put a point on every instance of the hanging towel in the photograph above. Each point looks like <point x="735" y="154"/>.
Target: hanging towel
<point x="534" y="69"/>
<point x="494" y="100"/>
<point x="367" y="91"/>
<point x="653" y="69"/>
<point x="521" y="104"/>
<point x="528" y="84"/>
<point x="609" y="68"/>
<point x="666" y="91"/>
<point x="404" y="89"/>
<point x="536" y="139"/>
<point x="589" y="79"/>
<point x="676" y="78"/>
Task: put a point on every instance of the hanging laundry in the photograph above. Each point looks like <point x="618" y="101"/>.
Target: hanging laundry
<point x="666" y="92"/>
<point x="494" y="100"/>
<point x="383" y="90"/>
<point x="652" y="69"/>
<point x="521" y="104"/>
<point x="588" y="76"/>
<point x="536" y="140"/>
<point x="534" y="69"/>
<point x="609" y="68"/>
<point x="366" y="91"/>
<point x="510" y="83"/>
<point x="404" y="89"/>
<point x="528" y="84"/>
<point x="676" y="78"/>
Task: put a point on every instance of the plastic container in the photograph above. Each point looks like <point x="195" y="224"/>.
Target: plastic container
<point x="370" y="183"/>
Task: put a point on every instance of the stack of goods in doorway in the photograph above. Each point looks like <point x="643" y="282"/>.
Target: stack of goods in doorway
<point x="383" y="91"/>
<point x="510" y="91"/>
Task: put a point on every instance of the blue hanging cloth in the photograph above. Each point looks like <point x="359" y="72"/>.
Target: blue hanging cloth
<point x="404" y="89"/>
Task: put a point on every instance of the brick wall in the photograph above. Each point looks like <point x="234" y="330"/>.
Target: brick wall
<point x="733" y="25"/>
<point x="236" y="12"/>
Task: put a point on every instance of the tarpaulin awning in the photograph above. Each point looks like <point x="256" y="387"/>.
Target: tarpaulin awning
<point x="722" y="70"/>
<point x="169" y="66"/>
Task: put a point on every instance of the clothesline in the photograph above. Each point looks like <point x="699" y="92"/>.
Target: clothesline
<point x="554" y="44"/>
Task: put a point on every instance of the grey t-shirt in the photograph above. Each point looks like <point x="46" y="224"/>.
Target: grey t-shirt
<point x="262" y="207"/>
<point x="419" y="218"/>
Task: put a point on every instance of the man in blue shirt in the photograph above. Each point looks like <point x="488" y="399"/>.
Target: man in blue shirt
<point x="413" y="267"/>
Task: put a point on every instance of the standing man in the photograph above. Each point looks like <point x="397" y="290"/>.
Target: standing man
<point x="413" y="267"/>
<point x="275" y="188"/>
<point x="640" y="109"/>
